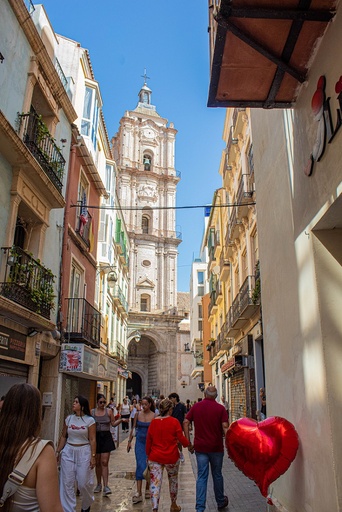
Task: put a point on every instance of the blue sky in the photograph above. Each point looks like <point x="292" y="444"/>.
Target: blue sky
<point x="170" y="40"/>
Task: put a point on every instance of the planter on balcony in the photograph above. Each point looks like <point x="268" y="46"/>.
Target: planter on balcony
<point x="27" y="282"/>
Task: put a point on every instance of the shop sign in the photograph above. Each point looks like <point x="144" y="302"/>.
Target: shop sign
<point x="229" y="364"/>
<point x="71" y="358"/>
<point x="87" y="363"/>
<point x="12" y="345"/>
<point x="326" y="131"/>
<point x="123" y="372"/>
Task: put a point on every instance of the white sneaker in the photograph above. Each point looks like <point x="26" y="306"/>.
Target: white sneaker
<point x="181" y="456"/>
<point x="106" y="490"/>
<point x="98" y="488"/>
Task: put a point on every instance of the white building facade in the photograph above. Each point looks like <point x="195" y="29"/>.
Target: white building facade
<point x="144" y="150"/>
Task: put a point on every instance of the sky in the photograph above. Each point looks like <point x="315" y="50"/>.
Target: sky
<point x="170" y="40"/>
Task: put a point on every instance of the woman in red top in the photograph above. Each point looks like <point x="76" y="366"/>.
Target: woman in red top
<point x="162" y="451"/>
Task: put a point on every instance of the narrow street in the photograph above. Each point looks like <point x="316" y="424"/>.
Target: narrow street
<point x="244" y="495"/>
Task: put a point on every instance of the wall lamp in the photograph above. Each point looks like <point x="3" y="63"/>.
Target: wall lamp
<point x="111" y="271"/>
<point x="136" y="336"/>
<point x="32" y="332"/>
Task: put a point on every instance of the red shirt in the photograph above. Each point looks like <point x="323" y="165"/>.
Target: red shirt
<point x="161" y="442"/>
<point x="208" y="417"/>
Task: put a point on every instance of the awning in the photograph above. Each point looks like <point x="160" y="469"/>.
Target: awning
<point x="262" y="49"/>
<point x="85" y="362"/>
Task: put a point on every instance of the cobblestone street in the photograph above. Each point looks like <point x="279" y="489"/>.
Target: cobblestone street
<point x="244" y="495"/>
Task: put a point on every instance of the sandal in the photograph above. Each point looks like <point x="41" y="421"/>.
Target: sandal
<point x="137" y="498"/>
<point x="147" y="494"/>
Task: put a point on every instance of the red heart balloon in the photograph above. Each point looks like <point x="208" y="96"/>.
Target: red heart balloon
<point x="262" y="450"/>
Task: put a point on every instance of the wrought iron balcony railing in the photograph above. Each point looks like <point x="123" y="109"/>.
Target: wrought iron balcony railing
<point x="83" y="322"/>
<point x="43" y="147"/>
<point x="120" y="352"/>
<point x="84" y="226"/>
<point x="27" y="282"/>
<point x="120" y="298"/>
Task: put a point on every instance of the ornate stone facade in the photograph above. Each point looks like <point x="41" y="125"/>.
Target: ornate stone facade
<point x="144" y="149"/>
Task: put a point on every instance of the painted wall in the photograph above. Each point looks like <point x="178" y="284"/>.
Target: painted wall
<point x="300" y="258"/>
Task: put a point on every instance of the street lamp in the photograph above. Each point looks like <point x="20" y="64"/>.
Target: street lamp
<point x="112" y="276"/>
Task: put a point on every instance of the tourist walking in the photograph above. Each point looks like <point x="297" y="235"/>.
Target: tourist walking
<point x="104" y="418"/>
<point x="125" y="414"/>
<point x="35" y="484"/>
<point x="162" y="451"/>
<point x="211" y="423"/>
<point x="141" y="424"/>
<point x="178" y="412"/>
<point x="134" y="407"/>
<point x="76" y="453"/>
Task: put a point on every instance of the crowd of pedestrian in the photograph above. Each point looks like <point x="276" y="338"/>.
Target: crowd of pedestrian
<point x="159" y="428"/>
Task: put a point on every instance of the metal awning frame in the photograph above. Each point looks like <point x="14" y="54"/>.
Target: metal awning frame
<point x="225" y="24"/>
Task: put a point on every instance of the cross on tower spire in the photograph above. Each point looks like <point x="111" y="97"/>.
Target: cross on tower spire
<point x="145" y="77"/>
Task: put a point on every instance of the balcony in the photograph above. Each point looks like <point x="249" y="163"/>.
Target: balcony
<point x="217" y="244"/>
<point x="38" y="140"/>
<point x="212" y="306"/>
<point x="239" y="118"/>
<point x="120" y="241"/>
<point x="120" y="353"/>
<point x="224" y="267"/>
<point x="119" y="299"/>
<point x="233" y="224"/>
<point x="244" y="305"/>
<point x="83" y="323"/>
<point x="27" y="282"/>
<point x="244" y="194"/>
<point x="84" y="228"/>
<point x="219" y="292"/>
<point x="249" y="301"/>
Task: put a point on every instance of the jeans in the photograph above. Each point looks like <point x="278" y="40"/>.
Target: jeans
<point x="215" y="459"/>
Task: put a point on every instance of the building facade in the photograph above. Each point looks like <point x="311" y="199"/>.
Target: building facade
<point x="144" y="150"/>
<point x="35" y="134"/>
<point x="94" y="302"/>
<point x="297" y="159"/>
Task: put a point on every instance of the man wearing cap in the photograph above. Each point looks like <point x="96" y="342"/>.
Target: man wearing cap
<point x="210" y="421"/>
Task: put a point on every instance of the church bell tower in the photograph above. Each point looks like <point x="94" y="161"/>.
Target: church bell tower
<point x="144" y="150"/>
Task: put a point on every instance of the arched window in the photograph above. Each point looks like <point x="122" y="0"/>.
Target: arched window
<point x="147" y="161"/>
<point x="145" y="224"/>
<point x="145" y="302"/>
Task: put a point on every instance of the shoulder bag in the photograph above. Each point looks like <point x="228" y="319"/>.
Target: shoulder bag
<point x="18" y="474"/>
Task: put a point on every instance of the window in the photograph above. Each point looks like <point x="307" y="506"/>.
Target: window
<point x="200" y="313"/>
<point x="90" y="115"/>
<point x="250" y="160"/>
<point x="200" y="327"/>
<point x="200" y="277"/>
<point x="145" y="222"/>
<point x="75" y="291"/>
<point x="145" y="304"/>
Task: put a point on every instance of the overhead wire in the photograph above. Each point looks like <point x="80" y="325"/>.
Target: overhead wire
<point x="187" y="207"/>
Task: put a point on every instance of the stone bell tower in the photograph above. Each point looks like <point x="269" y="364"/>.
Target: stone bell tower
<point x="144" y="150"/>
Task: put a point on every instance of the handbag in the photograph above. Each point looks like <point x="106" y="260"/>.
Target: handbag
<point x="18" y="474"/>
<point x="147" y="474"/>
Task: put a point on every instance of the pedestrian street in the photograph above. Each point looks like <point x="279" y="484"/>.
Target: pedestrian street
<point x="244" y="495"/>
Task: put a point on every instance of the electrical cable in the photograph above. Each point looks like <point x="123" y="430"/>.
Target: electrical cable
<point x="137" y="208"/>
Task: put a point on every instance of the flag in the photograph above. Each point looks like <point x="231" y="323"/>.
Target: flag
<point x="91" y="237"/>
<point x="83" y="213"/>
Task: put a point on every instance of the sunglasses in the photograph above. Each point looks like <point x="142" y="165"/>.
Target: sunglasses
<point x="102" y="402"/>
